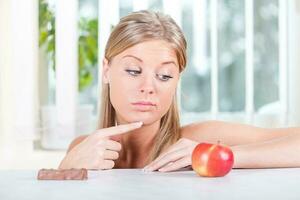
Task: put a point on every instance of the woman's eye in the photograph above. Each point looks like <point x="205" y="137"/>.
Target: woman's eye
<point x="133" y="72"/>
<point x="164" y="77"/>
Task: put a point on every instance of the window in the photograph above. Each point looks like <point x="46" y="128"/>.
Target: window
<point x="227" y="93"/>
<point x="233" y="54"/>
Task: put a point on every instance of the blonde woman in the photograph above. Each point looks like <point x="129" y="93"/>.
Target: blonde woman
<point x="139" y="123"/>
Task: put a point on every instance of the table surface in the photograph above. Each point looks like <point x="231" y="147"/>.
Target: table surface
<point x="136" y="184"/>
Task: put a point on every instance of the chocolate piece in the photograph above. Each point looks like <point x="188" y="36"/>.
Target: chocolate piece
<point x="62" y="174"/>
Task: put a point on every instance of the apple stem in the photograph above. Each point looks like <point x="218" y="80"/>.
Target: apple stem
<point x="219" y="142"/>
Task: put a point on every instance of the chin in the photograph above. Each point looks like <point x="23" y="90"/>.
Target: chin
<point x="145" y="117"/>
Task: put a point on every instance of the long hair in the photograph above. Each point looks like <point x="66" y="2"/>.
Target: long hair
<point x="133" y="29"/>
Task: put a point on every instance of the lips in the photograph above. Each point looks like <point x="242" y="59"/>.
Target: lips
<point x="144" y="106"/>
<point x="144" y="103"/>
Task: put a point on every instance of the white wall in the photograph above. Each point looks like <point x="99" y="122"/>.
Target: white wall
<point x="5" y="80"/>
<point x="294" y="62"/>
<point x="18" y="105"/>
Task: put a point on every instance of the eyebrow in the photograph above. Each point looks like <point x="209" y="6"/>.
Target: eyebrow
<point x="131" y="56"/>
<point x="139" y="59"/>
<point x="169" y="62"/>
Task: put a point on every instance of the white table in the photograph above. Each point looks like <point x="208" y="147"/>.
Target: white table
<point x="136" y="184"/>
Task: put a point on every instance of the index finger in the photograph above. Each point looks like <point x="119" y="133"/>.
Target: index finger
<point x="117" y="130"/>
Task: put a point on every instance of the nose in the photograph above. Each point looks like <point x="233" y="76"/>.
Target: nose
<point x="149" y="91"/>
<point x="147" y="86"/>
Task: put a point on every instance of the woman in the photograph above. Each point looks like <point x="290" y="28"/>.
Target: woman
<point x="144" y="57"/>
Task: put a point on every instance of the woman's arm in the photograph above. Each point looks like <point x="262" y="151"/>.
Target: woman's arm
<point x="232" y="134"/>
<point x="253" y="147"/>
<point x="279" y="152"/>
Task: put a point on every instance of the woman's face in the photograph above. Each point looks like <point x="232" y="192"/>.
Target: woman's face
<point x="142" y="81"/>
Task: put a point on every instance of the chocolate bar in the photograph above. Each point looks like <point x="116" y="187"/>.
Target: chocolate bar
<point x="62" y="174"/>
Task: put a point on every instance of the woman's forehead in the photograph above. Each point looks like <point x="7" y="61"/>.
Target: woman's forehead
<point x="159" y="50"/>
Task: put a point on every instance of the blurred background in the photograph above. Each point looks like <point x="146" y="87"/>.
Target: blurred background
<point x="243" y="66"/>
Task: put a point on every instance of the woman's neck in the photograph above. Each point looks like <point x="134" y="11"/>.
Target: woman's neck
<point x="137" y="145"/>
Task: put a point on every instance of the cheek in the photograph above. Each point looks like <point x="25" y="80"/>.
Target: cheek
<point x="119" y="93"/>
<point x="166" y="99"/>
<point x="122" y="93"/>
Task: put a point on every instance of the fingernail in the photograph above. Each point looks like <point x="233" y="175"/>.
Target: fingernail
<point x="139" y="123"/>
<point x="162" y="169"/>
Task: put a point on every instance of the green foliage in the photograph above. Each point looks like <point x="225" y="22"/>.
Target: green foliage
<point x="88" y="51"/>
<point x="47" y="30"/>
<point x="87" y="43"/>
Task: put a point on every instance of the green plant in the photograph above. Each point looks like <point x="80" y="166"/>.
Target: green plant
<point x="88" y="51"/>
<point x="87" y="43"/>
<point x="47" y="30"/>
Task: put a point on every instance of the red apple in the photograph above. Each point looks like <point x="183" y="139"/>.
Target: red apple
<point x="212" y="160"/>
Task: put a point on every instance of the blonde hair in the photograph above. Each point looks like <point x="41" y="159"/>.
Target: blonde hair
<point x="133" y="29"/>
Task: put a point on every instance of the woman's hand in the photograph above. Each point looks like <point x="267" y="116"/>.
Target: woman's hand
<point x="178" y="156"/>
<point x="97" y="151"/>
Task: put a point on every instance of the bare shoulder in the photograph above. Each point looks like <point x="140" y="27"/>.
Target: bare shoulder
<point x="76" y="141"/>
<point x="200" y="131"/>
<point x="227" y="133"/>
<point x="230" y="133"/>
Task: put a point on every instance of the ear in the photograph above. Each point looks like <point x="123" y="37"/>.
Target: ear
<point x="105" y="69"/>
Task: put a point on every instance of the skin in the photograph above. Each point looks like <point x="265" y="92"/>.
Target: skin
<point x="140" y="73"/>
<point x="252" y="147"/>
<point x="145" y="72"/>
